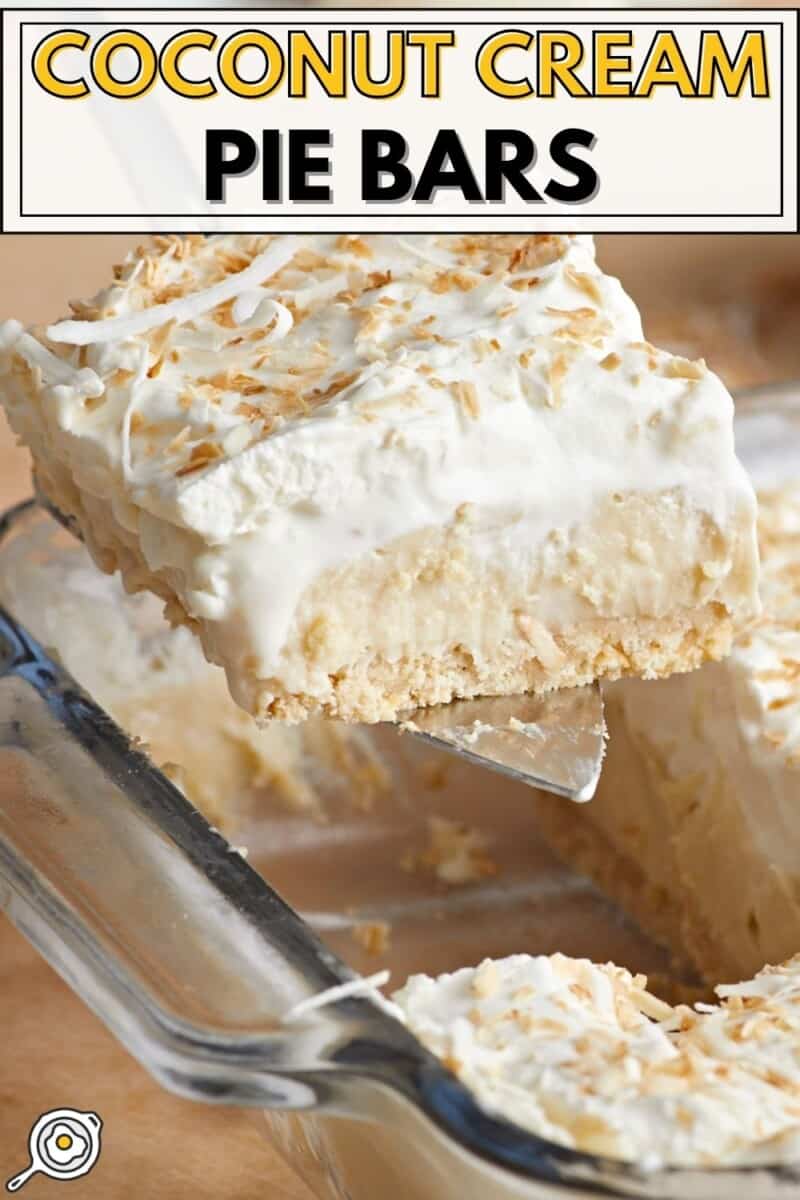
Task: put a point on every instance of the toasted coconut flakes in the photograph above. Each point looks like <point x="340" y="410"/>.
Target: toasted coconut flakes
<point x="246" y="385"/>
<point x="467" y="396"/>
<point x="378" y="279"/>
<point x="525" y="357"/>
<point x="574" y="314"/>
<point x="585" y="283"/>
<point x="486" y="980"/>
<point x="650" y="1005"/>
<point x="223" y="315"/>
<point x="446" y="281"/>
<point x="556" y="375"/>
<point x="537" y="250"/>
<point x="202" y="454"/>
<point x="83" y="310"/>
<point x="249" y="411"/>
<point x="375" y="936"/>
<point x="119" y="378"/>
<point x="180" y="439"/>
<point x="337" y="384"/>
<point x="610" y="362"/>
<point x="684" y="368"/>
<point x="355" y="245"/>
<point x="171" y="292"/>
<point x="370" y="322"/>
<point x="456" y="854"/>
<point x="525" y="283"/>
<point x="231" y="261"/>
<point x="262" y="267"/>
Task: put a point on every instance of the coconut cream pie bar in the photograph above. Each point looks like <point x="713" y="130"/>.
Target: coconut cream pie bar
<point x="380" y="472"/>
<point x="584" y="1055"/>
<point x="694" y="827"/>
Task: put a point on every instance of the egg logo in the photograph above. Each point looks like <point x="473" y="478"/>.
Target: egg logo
<point x="63" y="1144"/>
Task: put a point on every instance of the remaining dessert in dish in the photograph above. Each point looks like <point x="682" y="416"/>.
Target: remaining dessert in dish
<point x="378" y="472"/>
<point x="694" y="827"/>
<point x="584" y="1055"/>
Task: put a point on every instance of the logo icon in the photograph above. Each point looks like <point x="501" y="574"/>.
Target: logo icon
<point x="63" y="1144"/>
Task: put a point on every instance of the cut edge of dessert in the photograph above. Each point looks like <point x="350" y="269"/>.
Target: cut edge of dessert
<point x="379" y="473"/>
<point x="699" y="787"/>
<point x="582" y="1054"/>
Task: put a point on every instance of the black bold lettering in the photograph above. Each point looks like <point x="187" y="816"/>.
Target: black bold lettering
<point x="302" y="164"/>
<point x="586" y="179"/>
<point x="436" y="174"/>
<point x="383" y="152"/>
<point x="219" y="167"/>
<point x="501" y="170"/>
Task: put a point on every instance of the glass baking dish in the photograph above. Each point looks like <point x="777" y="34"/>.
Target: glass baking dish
<point x="170" y="935"/>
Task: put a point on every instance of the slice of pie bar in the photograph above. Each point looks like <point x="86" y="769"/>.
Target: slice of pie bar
<point x="380" y="472"/>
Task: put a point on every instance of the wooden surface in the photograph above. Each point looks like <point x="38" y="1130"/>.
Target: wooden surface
<point x="53" y="1052"/>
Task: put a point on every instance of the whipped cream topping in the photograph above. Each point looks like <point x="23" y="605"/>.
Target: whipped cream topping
<point x="257" y="410"/>
<point x="584" y="1055"/>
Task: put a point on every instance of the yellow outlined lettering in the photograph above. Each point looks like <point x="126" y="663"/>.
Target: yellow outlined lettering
<point x="169" y="63"/>
<point x="487" y="68"/>
<point x="395" y="80"/>
<point x="664" y="65"/>
<point x="43" y="69"/>
<point x="103" y="55"/>
<point x="304" y="56"/>
<point x="560" y="68"/>
<point x="607" y="64"/>
<point x="248" y="39"/>
<point x="432" y="43"/>
<point x="748" y="63"/>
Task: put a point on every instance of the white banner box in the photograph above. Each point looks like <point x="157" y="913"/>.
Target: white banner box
<point x="479" y="120"/>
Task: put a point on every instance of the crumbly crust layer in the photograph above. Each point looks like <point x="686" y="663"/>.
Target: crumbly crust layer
<point x="378" y="689"/>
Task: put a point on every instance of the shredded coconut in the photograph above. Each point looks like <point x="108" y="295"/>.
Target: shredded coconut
<point x="361" y="986"/>
<point x="185" y="308"/>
